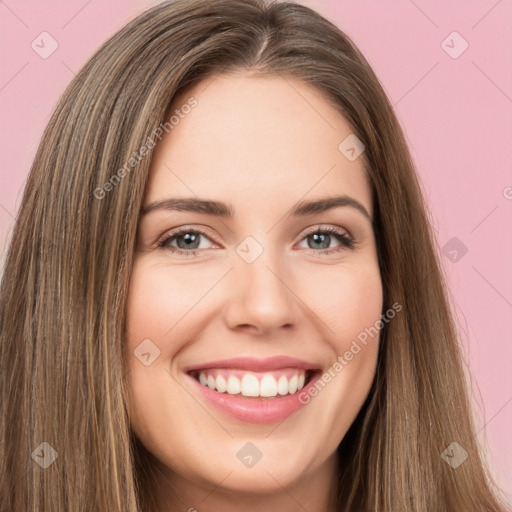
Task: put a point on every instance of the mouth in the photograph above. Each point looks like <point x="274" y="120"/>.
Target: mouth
<point x="254" y="390"/>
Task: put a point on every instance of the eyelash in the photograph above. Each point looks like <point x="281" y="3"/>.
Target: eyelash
<point x="346" y="241"/>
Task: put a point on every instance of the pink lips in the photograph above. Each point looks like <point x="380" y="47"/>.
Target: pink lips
<point x="254" y="410"/>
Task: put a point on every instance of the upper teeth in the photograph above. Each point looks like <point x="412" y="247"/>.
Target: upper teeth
<point x="250" y="385"/>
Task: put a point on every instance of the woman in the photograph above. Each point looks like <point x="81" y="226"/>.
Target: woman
<point x="172" y="338"/>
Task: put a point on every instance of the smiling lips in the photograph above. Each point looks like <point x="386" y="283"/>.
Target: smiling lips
<point x="255" y="390"/>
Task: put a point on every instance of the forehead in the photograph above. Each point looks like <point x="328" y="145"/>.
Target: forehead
<point x="253" y="141"/>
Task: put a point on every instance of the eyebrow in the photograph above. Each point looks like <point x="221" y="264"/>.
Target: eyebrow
<point x="224" y="210"/>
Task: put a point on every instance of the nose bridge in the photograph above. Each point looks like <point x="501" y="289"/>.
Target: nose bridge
<point x="260" y="293"/>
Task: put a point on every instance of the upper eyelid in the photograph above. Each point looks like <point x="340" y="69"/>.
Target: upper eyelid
<point x="321" y="227"/>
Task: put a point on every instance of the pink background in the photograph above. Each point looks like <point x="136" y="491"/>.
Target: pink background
<point x="456" y="112"/>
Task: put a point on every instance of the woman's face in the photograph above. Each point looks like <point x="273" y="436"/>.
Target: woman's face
<point x="257" y="302"/>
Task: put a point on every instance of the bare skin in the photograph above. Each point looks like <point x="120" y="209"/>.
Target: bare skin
<point x="262" y="146"/>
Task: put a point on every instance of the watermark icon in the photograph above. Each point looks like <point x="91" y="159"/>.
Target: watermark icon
<point x="249" y="249"/>
<point x="44" y="45"/>
<point x="454" y="45"/>
<point x="343" y="360"/>
<point x="137" y="156"/>
<point x="146" y="352"/>
<point x="351" y="147"/>
<point x="45" y="455"/>
<point x="454" y="455"/>
<point x="249" y="454"/>
<point x="454" y="249"/>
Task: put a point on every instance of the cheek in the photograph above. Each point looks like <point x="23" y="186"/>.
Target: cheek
<point x="350" y="304"/>
<point x="347" y="299"/>
<point x="359" y="309"/>
<point x="162" y="310"/>
<point x="159" y="305"/>
<point x="150" y="313"/>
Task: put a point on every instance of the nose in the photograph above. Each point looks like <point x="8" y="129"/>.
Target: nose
<point x="261" y="298"/>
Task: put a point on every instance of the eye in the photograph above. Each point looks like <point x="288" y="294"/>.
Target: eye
<point x="321" y="237"/>
<point x="187" y="241"/>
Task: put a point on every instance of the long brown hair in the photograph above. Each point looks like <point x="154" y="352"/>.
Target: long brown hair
<point x="64" y="288"/>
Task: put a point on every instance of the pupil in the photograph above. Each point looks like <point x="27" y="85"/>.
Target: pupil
<point x="322" y="236"/>
<point x="189" y="240"/>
